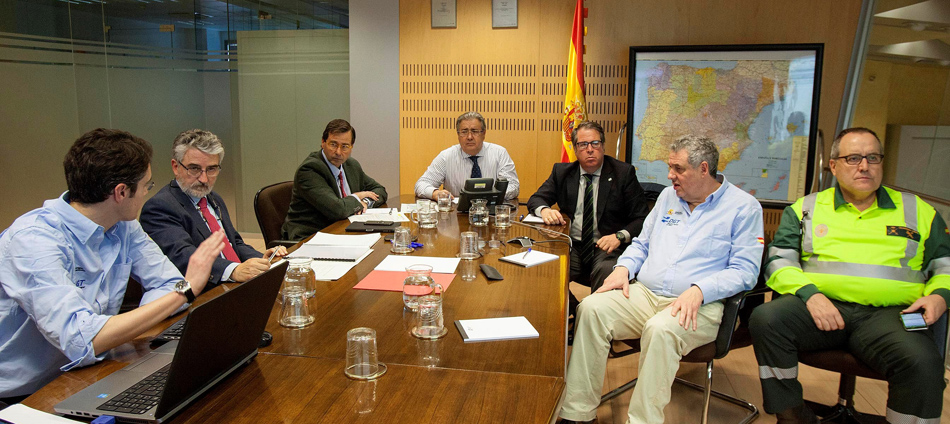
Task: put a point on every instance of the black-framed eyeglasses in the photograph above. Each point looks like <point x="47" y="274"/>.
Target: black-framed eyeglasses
<point x="195" y="170"/>
<point x="873" y="158"/>
<point x="596" y="144"/>
<point x="466" y="132"/>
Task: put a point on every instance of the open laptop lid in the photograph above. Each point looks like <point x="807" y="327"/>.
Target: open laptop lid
<point x="219" y="336"/>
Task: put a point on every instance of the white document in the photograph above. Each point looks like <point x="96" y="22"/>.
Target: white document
<point x="324" y="239"/>
<point x="379" y="215"/>
<point x="530" y="258"/>
<point x="401" y="262"/>
<point x="334" y="270"/>
<point x="488" y="329"/>
<point x="339" y="253"/>
<point x="532" y="219"/>
<point x="22" y="414"/>
<point x="407" y="207"/>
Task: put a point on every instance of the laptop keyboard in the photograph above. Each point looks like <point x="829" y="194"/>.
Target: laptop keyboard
<point x="173" y="332"/>
<point x="141" y="397"/>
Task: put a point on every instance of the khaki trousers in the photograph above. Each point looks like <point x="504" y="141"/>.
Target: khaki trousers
<point x="603" y="317"/>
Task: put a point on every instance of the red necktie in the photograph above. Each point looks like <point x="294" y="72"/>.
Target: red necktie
<point x="228" y="251"/>
<point x="342" y="191"/>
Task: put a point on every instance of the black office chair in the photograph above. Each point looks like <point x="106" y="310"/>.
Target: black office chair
<point x="271" y="204"/>
<point x="843" y="362"/>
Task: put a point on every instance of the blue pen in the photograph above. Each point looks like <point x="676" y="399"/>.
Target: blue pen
<point x="526" y="254"/>
<point x="522" y="218"/>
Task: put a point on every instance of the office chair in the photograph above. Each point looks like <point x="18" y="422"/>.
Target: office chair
<point x="270" y="206"/>
<point x="133" y="296"/>
<point x="843" y="362"/>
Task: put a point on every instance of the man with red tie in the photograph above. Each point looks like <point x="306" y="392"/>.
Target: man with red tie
<point x="330" y="185"/>
<point x="186" y="212"/>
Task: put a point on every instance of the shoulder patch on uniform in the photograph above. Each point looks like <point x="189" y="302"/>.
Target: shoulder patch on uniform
<point x="894" y="230"/>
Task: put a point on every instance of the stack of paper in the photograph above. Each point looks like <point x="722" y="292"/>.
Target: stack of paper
<point x="532" y="219"/>
<point x="400" y="263"/>
<point x="379" y="214"/>
<point x="336" y="254"/>
<point x="530" y="258"/>
<point x="22" y="414"/>
<point x="488" y="329"/>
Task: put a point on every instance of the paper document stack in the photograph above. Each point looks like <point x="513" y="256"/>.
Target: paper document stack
<point x="380" y="214"/>
<point x="489" y="329"/>
<point x="335" y="254"/>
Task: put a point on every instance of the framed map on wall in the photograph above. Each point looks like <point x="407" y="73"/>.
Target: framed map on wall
<point x="758" y="103"/>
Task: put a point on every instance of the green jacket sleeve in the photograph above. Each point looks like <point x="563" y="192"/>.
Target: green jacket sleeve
<point x="783" y="266"/>
<point x="937" y="259"/>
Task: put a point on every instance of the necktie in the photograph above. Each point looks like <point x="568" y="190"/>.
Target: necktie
<point x="228" y="251"/>
<point x="587" y="226"/>
<point x="476" y="171"/>
<point x="342" y="190"/>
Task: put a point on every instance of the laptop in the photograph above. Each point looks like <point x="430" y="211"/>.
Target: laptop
<point x="218" y="337"/>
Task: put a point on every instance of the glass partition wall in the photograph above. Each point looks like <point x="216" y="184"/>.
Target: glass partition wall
<point x="904" y="95"/>
<point x="264" y="76"/>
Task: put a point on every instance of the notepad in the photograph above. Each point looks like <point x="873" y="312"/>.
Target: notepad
<point x="325" y="239"/>
<point x="532" y="219"/>
<point x="22" y="414"/>
<point x="401" y="262"/>
<point x="331" y="253"/>
<point x="529" y="259"/>
<point x="490" y="329"/>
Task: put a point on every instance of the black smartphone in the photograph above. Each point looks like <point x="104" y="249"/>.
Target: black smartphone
<point x="386" y="223"/>
<point x="914" y="321"/>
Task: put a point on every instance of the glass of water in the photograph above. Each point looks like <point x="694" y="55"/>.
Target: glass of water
<point x="445" y="201"/>
<point x="503" y="216"/>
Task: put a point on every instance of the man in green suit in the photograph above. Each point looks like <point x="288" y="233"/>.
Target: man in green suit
<point x="329" y="185"/>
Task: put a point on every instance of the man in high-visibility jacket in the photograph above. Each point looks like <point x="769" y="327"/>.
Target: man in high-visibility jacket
<point x="847" y="262"/>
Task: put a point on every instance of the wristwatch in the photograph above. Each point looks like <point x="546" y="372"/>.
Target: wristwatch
<point x="622" y="237"/>
<point x="184" y="287"/>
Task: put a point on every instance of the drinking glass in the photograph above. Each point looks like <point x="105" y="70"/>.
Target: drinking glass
<point x="468" y="245"/>
<point x="503" y="216"/>
<point x="430" y="323"/>
<point x="294" y="309"/>
<point x="362" y="357"/>
<point x="444" y="200"/>
<point x="401" y="240"/>
<point x="426" y="214"/>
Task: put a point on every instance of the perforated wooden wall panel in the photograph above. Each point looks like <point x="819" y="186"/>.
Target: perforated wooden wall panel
<point x="516" y="77"/>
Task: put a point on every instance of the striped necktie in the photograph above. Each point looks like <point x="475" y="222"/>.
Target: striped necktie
<point x="587" y="225"/>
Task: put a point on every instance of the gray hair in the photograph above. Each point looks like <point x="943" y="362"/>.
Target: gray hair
<point x="468" y="116"/>
<point x="837" y="141"/>
<point x="205" y="141"/>
<point x="698" y="150"/>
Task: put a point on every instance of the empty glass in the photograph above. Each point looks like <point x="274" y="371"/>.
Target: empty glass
<point x="299" y="276"/>
<point x="401" y="240"/>
<point x="478" y="213"/>
<point x="467" y="270"/>
<point x="503" y="216"/>
<point x="362" y="357"/>
<point x="444" y="200"/>
<point x="417" y="284"/>
<point x="294" y="309"/>
<point x="430" y="323"/>
<point x="468" y="245"/>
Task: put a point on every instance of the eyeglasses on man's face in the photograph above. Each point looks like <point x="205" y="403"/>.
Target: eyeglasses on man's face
<point x="873" y="158"/>
<point x="466" y="132"/>
<point x="596" y="144"/>
<point x="195" y="170"/>
<point x="334" y="146"/>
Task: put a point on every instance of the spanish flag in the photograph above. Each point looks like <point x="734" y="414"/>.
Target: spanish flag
<point x="575" y="106"/>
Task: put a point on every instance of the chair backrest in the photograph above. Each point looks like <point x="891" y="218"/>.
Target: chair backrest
<point x="270" y="205"/>
<point x="652" y="192"/>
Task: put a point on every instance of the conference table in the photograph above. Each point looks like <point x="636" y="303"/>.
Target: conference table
<point x="299" y="378"/>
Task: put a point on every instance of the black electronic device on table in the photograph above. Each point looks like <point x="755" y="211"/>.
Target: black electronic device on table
<point x="483" y="188"/>
<point x="373" y="227"/>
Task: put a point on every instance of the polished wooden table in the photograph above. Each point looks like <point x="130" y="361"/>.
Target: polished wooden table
<point x="299" y="378"/>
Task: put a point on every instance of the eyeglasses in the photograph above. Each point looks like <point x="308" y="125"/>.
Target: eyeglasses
<point x="596" y="144"/>
<point x="465" y="133"/>
<point x="873" y="158"/>
<point x="345" y="147"/>
<point x="195" y="170"/>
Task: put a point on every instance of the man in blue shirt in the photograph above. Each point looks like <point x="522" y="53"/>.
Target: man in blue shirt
<point x="64" y="267"/>
<point x="701" y="243"/>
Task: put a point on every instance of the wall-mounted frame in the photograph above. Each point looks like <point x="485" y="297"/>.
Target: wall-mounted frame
<point x="443" y="14"/>
<point x="758" y="103"/>
<point x="504" y="13"/>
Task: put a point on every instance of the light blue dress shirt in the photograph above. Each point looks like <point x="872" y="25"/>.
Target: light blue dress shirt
<point x="62" y="276"/>
<point x="717" y="246"/>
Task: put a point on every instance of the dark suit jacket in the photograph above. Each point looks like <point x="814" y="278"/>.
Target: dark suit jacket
<point x="621" y="204"/>
<point x="173" y="222"/>
<point x="316" y="201"/>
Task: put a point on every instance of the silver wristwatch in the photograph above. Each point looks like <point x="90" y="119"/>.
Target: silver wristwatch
<point x="184" y="287"/>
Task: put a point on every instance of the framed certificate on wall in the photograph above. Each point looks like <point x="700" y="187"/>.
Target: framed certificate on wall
<point x="443" y="14"/>
<point x="504" y="13"/>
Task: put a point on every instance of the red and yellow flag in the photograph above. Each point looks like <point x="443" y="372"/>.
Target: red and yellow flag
<point x="575" y="106"/>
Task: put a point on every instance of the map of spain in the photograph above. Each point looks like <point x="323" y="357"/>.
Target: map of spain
<point x="756" y="111"/>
